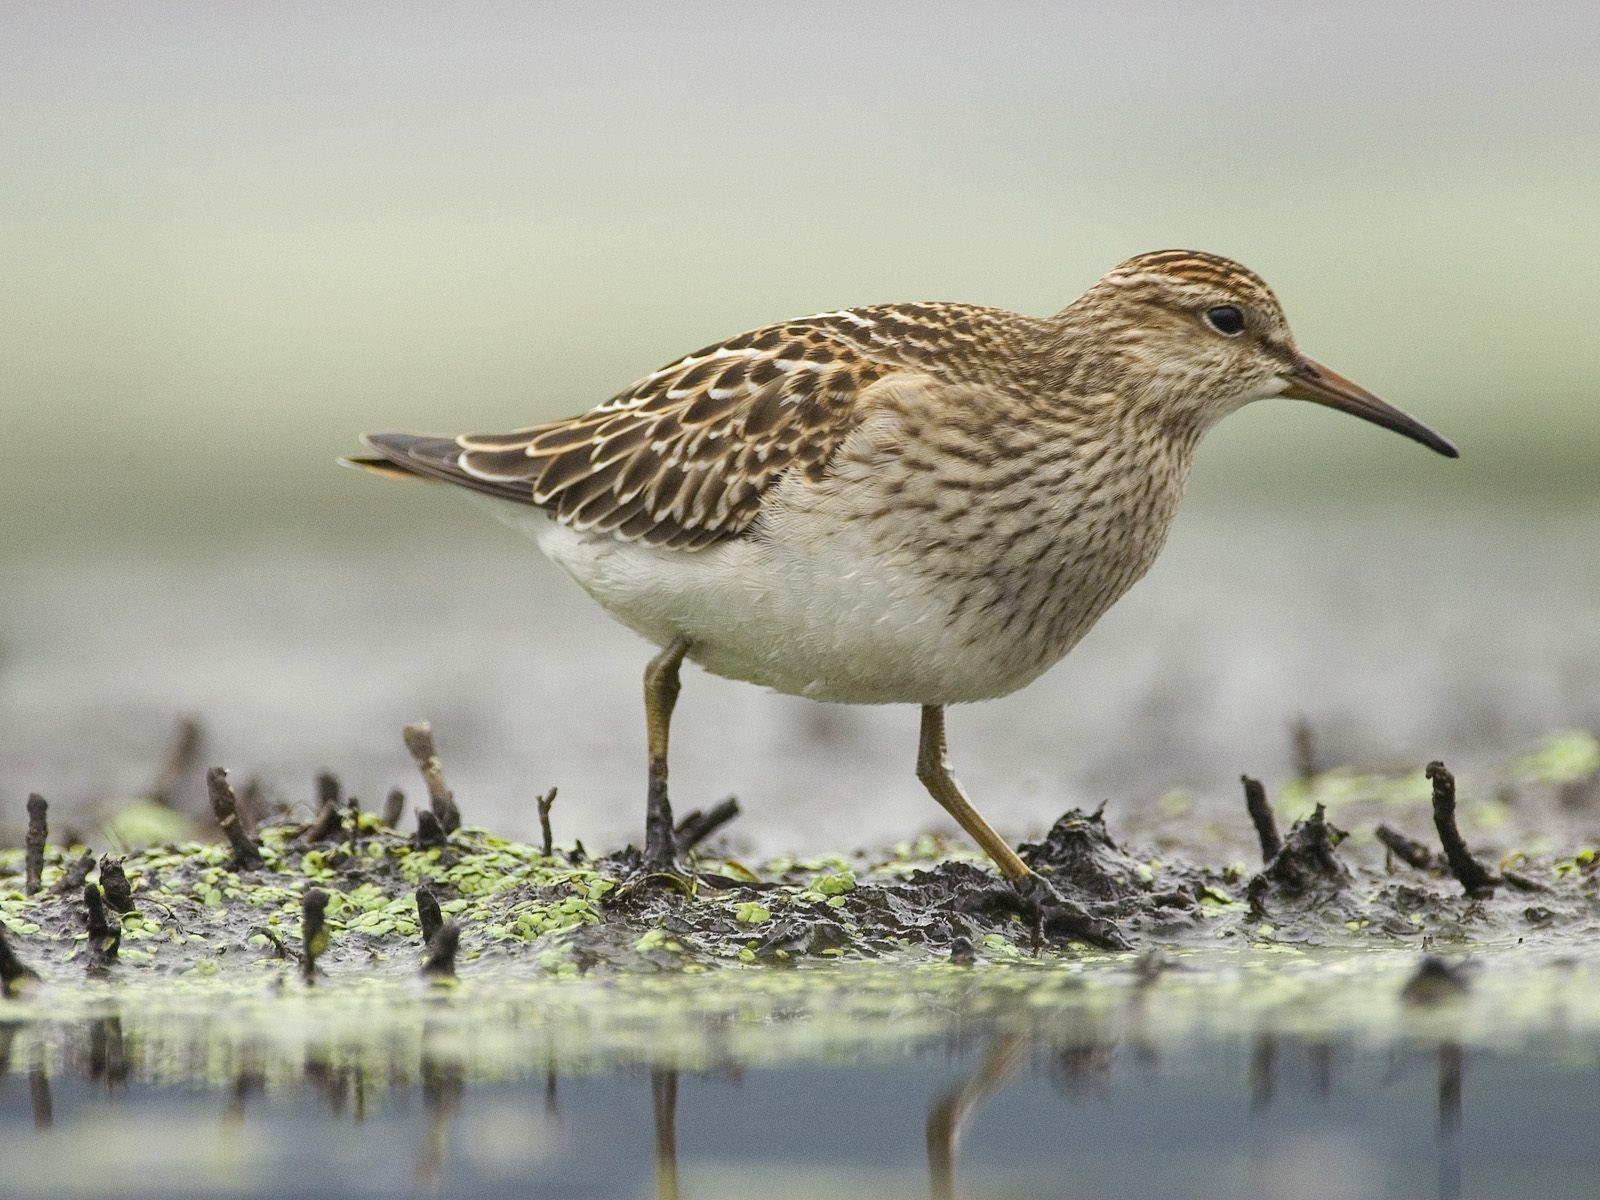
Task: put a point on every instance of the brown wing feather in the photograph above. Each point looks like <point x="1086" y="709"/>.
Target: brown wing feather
<point x="684" y="456"/>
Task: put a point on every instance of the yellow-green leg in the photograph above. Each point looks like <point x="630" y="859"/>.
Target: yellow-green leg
<point x="933" y="768"/>
<point x="660" y="695"/>
<point x="1051" y="911"/>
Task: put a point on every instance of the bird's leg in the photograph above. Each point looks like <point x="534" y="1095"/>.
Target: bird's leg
<point x="933" y="768"/>
<point x="1050" y="910"/>
<point x="660" y="694"/>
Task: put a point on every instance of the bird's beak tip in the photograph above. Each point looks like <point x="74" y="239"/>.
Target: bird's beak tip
<point x="1312" y="381"/>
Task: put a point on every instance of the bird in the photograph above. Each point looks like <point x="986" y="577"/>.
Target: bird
<point x="923" y="503"/>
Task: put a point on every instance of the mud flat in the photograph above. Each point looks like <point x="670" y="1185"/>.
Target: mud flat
<point x="364" y="953"/>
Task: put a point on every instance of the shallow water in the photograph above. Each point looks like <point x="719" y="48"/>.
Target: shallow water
<point x="1223" y="1076"/>
<point x="1340" y="1121"/>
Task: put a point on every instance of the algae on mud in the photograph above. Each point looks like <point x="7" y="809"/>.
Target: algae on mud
<point x="201" y="909"/>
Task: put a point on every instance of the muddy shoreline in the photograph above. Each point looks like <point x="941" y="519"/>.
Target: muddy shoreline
<point x="382" y="895"/>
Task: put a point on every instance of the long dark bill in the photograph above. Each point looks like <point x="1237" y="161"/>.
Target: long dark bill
<point x="1315" y="382"/>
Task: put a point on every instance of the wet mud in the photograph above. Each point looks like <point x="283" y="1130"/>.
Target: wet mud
<point x="347" y="891"/>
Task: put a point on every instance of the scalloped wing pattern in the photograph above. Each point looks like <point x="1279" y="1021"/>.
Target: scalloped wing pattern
<point x="684" y="456"/>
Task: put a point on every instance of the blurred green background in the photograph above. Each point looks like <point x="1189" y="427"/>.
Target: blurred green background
<point x="235" y="236"/>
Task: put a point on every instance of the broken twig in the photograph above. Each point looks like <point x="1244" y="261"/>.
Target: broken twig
<point x="1475" y="878"/>
<point x="698" y="826"/>
<point x="394" y="808"/>
<point x="325" y="825"/>
<point x="419" y="741"/>
<point x="313" y="931"/>
<point x="33" y="847"/>
<point x="545" y="802"/>
<point x="429" y="917"/>
<point x="114" y="883"/>
<point x="225" y="808"/>
<point x="441" y="960"/>
<point x="72" y="880"/>
<point x="1408" y="850"/>
<point x="429" y="831"/>
<point x="105" y="936"/>
<point x="1255" y="800"/>
<point x="1306" y="870"/>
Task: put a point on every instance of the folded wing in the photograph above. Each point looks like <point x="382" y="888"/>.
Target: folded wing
<point x="683" y="457"/>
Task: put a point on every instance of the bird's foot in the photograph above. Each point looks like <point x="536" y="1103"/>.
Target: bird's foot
<point x="643" y="876"/>
<point x="659" y="859"/>
<point x="1056" y="917"/>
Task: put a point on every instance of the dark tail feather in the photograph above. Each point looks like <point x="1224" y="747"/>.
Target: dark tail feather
<point x="377" y="466"/>
<point x="414" y="456"/>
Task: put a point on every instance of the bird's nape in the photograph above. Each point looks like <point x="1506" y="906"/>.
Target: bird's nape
<point x="1321" y="385"/>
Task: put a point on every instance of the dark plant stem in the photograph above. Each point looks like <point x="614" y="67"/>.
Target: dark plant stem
<point x="429" y="831"/>
<point x="1408" y="850"/>
<point x="419" y="741"/>
<point x="114" y="883"/>
<point x="105" y="936"/>
<point x="441" y="960"/>
<point x="225" y="808"/>
<point x="429" y="916"/>
<point x="699" y="825"/>
<point x="1255" y="800"/>
<point x="1475" y="879"/>
<point x="314" y="931"/>
<point x="546" y="802"/>
<point x="33" y="846"/>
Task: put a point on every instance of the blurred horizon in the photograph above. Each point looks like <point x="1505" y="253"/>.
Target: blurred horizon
<point x="238" y="237"/>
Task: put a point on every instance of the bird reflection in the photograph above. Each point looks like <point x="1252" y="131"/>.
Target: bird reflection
<point x="951" y="1111"/>
<point x="664" y="1117"/>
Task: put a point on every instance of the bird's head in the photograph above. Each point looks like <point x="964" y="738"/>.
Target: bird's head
<point x="1188" y="337"/>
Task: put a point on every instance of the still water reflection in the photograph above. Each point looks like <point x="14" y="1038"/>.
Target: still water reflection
<point x="1072" y="1105"/>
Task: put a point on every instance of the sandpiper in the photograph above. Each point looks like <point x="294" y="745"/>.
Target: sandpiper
<point x="923" y="503"/>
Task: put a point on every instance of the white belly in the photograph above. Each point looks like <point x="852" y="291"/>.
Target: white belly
<point x="843" y="625"/>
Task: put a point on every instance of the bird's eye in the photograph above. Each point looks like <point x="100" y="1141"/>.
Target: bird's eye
<point x="1225" y="319"/>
